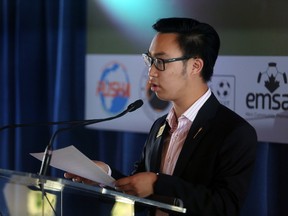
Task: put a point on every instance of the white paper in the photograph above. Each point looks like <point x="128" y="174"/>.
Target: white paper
<point x="71" y="160"/>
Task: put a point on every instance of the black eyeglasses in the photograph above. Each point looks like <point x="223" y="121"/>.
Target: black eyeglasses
<point x="160" y="63"/>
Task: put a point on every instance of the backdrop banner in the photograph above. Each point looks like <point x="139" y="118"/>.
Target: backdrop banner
<point x="254" y="87"/>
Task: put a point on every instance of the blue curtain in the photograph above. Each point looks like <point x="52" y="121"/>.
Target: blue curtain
<point x="42" y="68"/>
<point x="42" y="48"/>
<point x="42" y="56"/>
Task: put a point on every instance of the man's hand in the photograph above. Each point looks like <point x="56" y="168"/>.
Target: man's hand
<point x="140" y="184"/>
<point x="77" y="178"/>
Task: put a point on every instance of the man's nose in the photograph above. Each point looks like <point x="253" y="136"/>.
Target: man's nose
<point x="152" y="71"/>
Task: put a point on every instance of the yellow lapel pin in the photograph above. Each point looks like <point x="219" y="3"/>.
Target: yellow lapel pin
<point x="161" y="129"/>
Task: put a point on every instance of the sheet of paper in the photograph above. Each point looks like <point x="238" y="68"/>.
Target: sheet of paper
<point x="71" y="160"/>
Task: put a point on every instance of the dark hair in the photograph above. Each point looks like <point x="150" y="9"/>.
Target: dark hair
<point x="195" y="39"/>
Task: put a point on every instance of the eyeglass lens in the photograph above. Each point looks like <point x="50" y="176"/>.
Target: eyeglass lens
<point x="159" y="64"/>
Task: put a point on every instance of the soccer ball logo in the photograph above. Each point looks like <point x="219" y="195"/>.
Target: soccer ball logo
<point x="223" y="89"/>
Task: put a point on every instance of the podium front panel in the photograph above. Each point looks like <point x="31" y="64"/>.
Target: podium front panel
<point x="30" y="194"/>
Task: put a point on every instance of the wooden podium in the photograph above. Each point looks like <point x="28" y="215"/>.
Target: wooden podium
<point x="27" y="194"/>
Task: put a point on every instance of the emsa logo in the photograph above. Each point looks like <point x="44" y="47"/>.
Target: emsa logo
<point x="276" y="98"/>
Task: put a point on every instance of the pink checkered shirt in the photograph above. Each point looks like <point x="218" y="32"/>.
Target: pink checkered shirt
<point x="177" y="135"/>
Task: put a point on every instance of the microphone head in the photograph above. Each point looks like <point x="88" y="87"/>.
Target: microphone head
<point x="134" y="106"/>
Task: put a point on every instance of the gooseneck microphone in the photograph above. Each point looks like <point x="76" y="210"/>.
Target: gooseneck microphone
<point x="48" y="150"/>
<point x="36" y="124"/>
<point x="132" y="106"/>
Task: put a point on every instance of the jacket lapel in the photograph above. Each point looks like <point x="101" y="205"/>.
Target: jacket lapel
<point x="156" y="156"/>
<point x="198" y="129"/>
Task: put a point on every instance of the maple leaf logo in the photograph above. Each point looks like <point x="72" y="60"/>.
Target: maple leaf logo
<point x="272" y="84"/>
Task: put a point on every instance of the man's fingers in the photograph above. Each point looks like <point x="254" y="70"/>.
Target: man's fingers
<point x="69" y="175"/>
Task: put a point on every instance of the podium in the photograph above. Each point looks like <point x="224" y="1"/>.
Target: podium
<point x="27" y="194"/>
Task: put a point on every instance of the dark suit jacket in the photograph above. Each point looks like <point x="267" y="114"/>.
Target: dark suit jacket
<point x="213" y="170"/>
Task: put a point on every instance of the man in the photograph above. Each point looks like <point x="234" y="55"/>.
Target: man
<point x="201" y="153"/>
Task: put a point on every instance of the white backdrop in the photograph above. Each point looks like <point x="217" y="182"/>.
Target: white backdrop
<point x="254" y="87"/>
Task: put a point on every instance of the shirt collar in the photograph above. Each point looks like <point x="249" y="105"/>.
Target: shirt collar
<point x="191" y="112"/>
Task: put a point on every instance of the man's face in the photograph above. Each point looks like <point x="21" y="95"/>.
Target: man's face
<point x="172" y="83"/>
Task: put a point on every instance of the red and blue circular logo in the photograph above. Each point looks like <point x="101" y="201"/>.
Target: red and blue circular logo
<point x="114" y="88"/>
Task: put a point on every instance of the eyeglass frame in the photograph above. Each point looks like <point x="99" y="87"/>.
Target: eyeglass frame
<point x="146" y="56"/>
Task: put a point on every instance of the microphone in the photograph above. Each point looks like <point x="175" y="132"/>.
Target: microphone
<point x="11" y="126"/>
<point x="137" y="104"/>
<point x="48" y="150"/>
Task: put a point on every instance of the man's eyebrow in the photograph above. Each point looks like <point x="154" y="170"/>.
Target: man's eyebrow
<point x="158" y="54"/>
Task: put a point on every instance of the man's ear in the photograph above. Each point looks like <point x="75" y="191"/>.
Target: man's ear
<point x="197" y="65"/>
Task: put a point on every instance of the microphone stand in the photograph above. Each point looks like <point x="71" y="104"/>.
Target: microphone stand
<point x="48" y="150"/>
